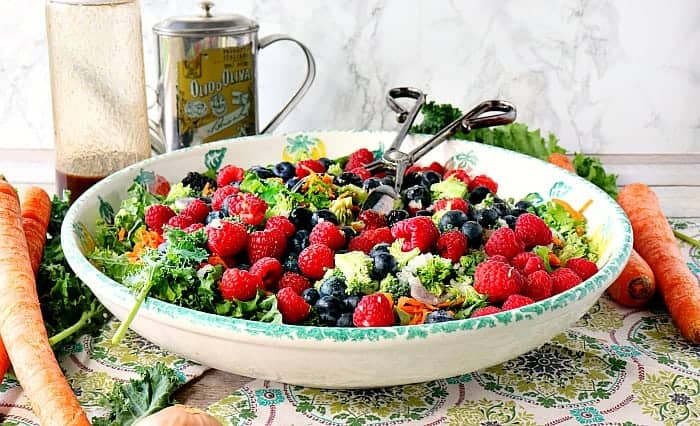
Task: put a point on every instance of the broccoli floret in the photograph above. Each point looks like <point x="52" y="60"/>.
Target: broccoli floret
<point x="472" y="299"/>
<point x="358" y="194"/>
<point x="434" y="273"/>
<point x="342" y="208"/>
<point x="356" y="268"/>
<point x="178" y="191"/>
<point x="402" y="257"/>
<point x="334" y="169"/>
<point x="396" y="288"/>
<point x="283" y="204"/>
<point x="469" y="262"/>
<point x="449" y="188"/>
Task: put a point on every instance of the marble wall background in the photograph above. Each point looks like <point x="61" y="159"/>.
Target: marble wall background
<point x="605" y="76"/>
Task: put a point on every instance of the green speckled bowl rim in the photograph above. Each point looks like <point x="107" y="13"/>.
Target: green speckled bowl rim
<point x="88" y="273"/>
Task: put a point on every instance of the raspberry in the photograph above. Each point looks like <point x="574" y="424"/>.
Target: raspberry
<point x="281" y="223"/>
<point x="451" y="204"/>
<point x="363" y="173"/>
<point x="534" y="264"/>
<point x="197" y="210"/>
<point x="194" y="227"/>
<point x="239" y="284"/>
<point x="181" y="221"/>
<point x="297" y="282"/>
<point x="584" y="268"/>
<point x="374" y="310"/>
<point x="229" y="174"/>
<point x="269" y="243"/>
<point x="361" y="243"/>
<point x="538" y="285"/>
<point x="379" y="235"/>
<point x="419" y="231"/>
<point x="159" y="186"/>
<point x="532" y="231"/>
<point x="520" y="259"/>
<point x="217" y="199"/>
<point x="359" y="158"/>
<point x="158" y="215"/>
<point x="372" y="219"/>
<point x="483" y="180"/>
<point x="328" y="234"/>
<point x="305" y="167"/>
<point x="292" y="306"/>
<point x="527" y="262"/>
<point x="458" y="174"/>
<point x="486" y="310"/>
<point x="250" y="208"/>
<point x="314" y="260"/>
<point x="499" y="258"/>
<point x="503" y="241"/>
<point x="269" y="270"/>
<point x="436" y="167"/>
<point x="225" y="238"/>
<point x="414" y="169"/>
<point x="516" y="301"/>
<point x="497" y="280"/>
<point x="452" y="245"/>
<point x="564" y="279"/>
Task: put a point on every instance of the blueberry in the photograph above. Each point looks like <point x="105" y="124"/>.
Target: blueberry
<point x="389" y="181"/>
<point x="291" y="183"/>
<point x="474" y="233"/>
<point x="501" y="208"/>
<point x="213" y="215"/>
<point x="262" y="172"/>
<point x="517" y="211"/>
<point x="326" y="318"/>
<point x="299" y="241"/>
<point x="439" y="316"/>
<point x="323" y="215"/>
<point x="487" y="217"/>
<point x="345" y="320"/>
<point x="350" y="302"/>
<point x="396" y="216"/>
<point x="291" y="263"/>
<point x="429" y="178"/>
<point x="311" y="295"/>
<point x="371" y="183"/>
<point x="478" y="194"/>
<point x="384" y="264"/>
<point x="333" y="286"/>
<point x="523" y="205"/>
<point x="453" y="219"/>
<point x="510" y="220"/>
<point x="326" y="162"/>
<point x="379" y="248"/>
<point x="349" y="233"/>
<point x="348" y="178"/>
<point x="424" y="213"/>
<point x="284" y="170"/>
<point x="329" y="305"/>
<point x="301" y="217"/>
<point x="471" y="213"/>
<point x="205" y="199"/>
<point x="417" y="197"/>
<point x="411" y="179"/>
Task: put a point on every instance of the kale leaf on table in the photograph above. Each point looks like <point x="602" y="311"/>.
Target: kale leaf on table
<point x="68" y="306"/>
<point x="516" y="137"/>
<point x="131" y="401"/>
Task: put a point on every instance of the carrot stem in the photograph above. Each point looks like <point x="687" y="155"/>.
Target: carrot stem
<point x="66" y="333"/>
<point x="690" y="240"/>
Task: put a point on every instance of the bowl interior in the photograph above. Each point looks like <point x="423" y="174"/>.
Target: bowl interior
<point x="517" y="175"/>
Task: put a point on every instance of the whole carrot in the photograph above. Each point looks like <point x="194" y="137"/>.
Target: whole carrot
<point x="636" y="286"/>
<point x="562" y="161"/>
<point x="654" y="241"/>
<point x="22" y="326"/>
<point x="36" y="213"/>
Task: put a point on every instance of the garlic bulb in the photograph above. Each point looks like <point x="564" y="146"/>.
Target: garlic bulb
<point x="179" y="415"/>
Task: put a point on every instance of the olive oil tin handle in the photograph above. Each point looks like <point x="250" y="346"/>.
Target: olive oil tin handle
<point x="306" y="84"/>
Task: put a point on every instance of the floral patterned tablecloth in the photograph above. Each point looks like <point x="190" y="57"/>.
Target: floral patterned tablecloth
<point x="614" y="366"/>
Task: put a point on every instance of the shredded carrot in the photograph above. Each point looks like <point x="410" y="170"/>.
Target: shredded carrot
<point x="216" y="260"/>
<point x="557" y="241"/>
<point x="585" y="206"/>
<point x="207" y="190"/>
<point x="580" y="230"/>
<point x="554" y="260"/>
<point x="122" y="234"/>
<point x="573" y="212"/>
<point x="144" y="239"/>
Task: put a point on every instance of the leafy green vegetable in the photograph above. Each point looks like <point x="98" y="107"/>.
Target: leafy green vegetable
<point x="592" y="170"/>
<point x="434" y="273"/>
<point x="138" y="398"/>
<point x="469" y="262"/>
<point x="436" y="117"/>
<point x="67" y="305"/>
<point x="472" y="299"/>
<point x="178" y="191"/>
<point x="279" y="198"/>
<point x="355" y="266"/>
<point x="261" y="308"/>
<point x="569" y="230"/>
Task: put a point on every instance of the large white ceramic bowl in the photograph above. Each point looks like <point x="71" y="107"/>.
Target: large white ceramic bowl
<point x="330" y="357"/>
